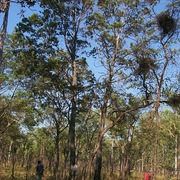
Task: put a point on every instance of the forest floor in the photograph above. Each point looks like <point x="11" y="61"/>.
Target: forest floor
<point x="21" y="174"/>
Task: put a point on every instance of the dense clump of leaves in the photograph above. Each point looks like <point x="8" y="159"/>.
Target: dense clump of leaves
<point x="145" y="65"/>
<point x="174" y="101"/>
<point x="166" y="23"/>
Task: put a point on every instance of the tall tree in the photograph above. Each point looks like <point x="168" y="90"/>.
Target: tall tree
<point x="154" y="53"/>
<point x="111" y="28"/>
<point x="50" y="68"/>
<point x="46" y="52"/>
<point x="71" y="16"/>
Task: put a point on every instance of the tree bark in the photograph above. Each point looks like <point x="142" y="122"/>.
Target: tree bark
<point x="57" y="152"/>
<point x="98" y="163"/>
<point x="3" y="32"/>
<point x="98" y="150"/>
<point x="157" y="106"/>
<point x="72" y="121"/>
<point x="156" y="145"/>
<point x="176" y="156"/>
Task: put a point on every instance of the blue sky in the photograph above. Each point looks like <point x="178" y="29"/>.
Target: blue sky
<point x="14" y="15"/>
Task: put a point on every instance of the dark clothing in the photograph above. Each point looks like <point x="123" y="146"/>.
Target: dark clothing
<point x="39" y="171"/>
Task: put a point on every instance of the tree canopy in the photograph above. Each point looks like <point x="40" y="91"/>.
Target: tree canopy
<point x="122" y="119"/>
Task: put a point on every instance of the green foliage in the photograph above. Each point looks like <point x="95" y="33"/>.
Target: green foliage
<point x="166" y="23"/>
<point x="51" y="84"/>
<point x="174" y="102"/>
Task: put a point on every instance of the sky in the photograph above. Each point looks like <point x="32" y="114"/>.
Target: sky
<point x="15" y="17"/>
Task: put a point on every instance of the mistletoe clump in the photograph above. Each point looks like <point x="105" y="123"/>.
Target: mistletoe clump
<point x="166" y="23"/>
<point x="174" y="101"/>
<point x="145" y="65"/>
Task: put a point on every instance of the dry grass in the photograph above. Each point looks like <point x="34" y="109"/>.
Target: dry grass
<point x="21" y="174"/>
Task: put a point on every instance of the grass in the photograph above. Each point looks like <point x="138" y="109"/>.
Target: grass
<point x="22" y="174"/>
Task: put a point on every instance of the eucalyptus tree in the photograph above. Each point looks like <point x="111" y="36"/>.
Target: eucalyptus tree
<point x="111" y="29"/>
<point x="70" y="16"/>
<point x="155" y="54"/>
<point x="46" y="58"/>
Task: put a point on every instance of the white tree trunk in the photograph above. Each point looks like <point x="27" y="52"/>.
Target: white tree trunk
<point x="176" y="156"/>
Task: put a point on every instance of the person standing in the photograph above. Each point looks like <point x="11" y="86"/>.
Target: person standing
<point x="39" y="170"/>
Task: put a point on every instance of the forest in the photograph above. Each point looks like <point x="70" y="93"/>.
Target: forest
<point x="91" y="88"/>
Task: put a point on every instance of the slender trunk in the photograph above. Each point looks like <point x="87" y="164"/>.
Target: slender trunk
<point x="142" y="163"/>
<point x="13" y="151"/>
<point x="3" y="32"/>
<point x="57" y="153"/>
<point x="164" y="157"/>
<point x="72" y="122"/>
<point x="119" y="164"/>
<point x="176" y="156"/>
<point x="156" y="140"/>
<point x="112" y="159"/>
<point x="9" y="152"/>
<point x="157" y="105"/>
<point x="28" y="166"/>
<point x="64" y="169"/>
<point x="72" y="139"/>
<point x="13" y="167"/>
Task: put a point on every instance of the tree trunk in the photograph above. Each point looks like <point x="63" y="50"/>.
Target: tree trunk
<point x="13" y="151"/>
<point x="176" y="156"/>
<point x="3" y="32"/>
<point x="157" y="105"/>
<point x="13" y="167"/>
<point x="57" y="152"/>
<point x="72" y="122"/>
<point x="9" y="152"/>
<point x="156" y="140"/>
<point x="98" y="151"/>
<point x="28" y="165"/>
<point x="98" y="162"/>
<point x="112" y="159"/>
